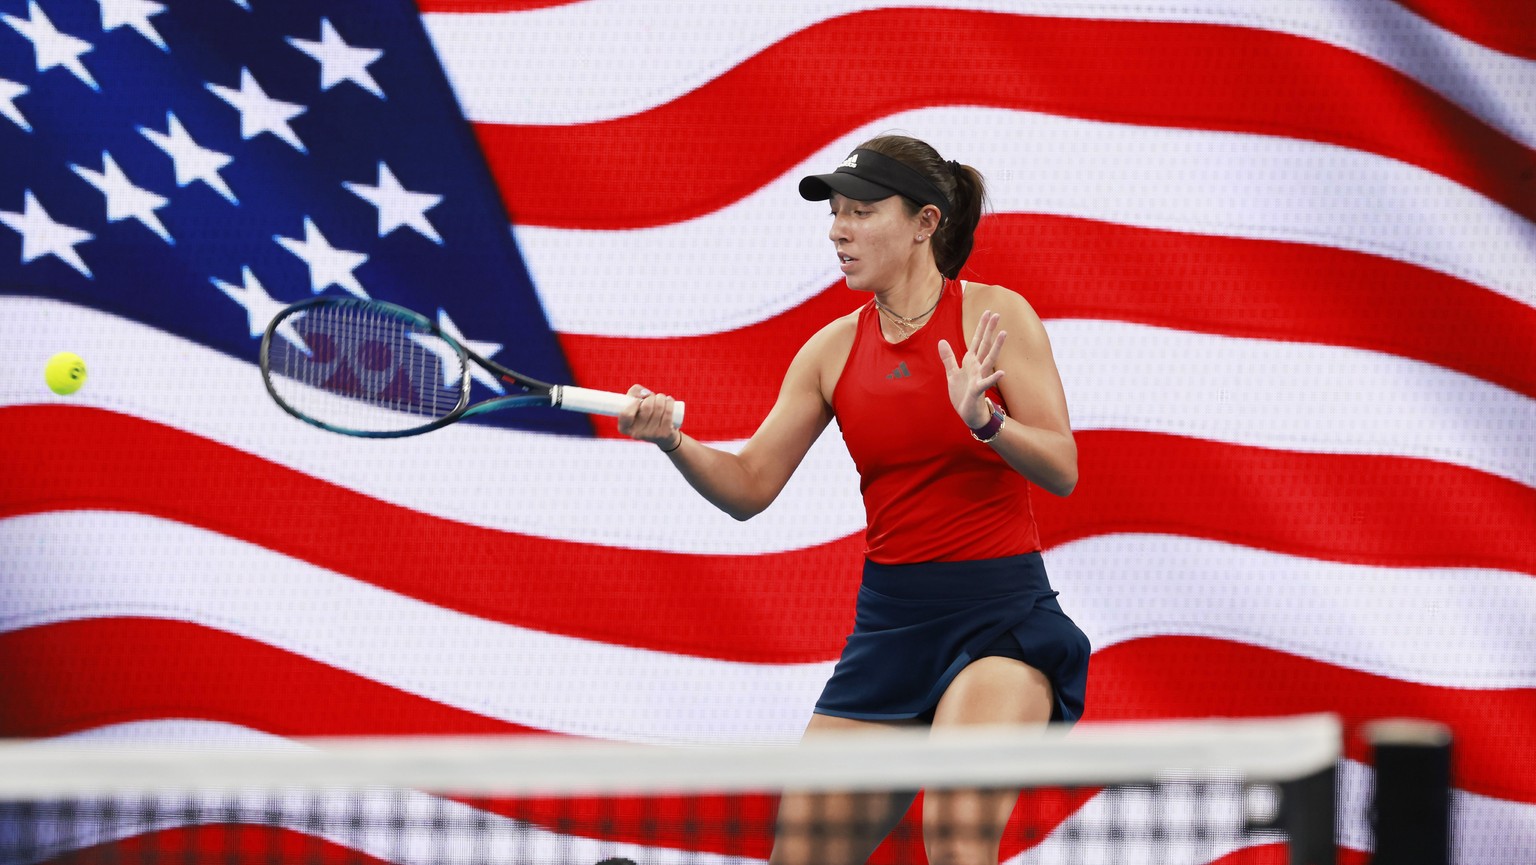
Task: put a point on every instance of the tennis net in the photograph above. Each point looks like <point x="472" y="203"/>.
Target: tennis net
<point x="1177" y="792"/>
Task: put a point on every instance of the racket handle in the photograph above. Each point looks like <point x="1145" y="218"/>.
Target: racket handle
<point x="602" y="402"/>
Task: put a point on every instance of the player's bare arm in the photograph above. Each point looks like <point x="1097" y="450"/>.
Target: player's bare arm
<point x="1036" y="440"/>
<point x="744" y="484"/>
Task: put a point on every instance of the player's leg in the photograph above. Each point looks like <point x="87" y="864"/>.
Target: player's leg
<point x="964" y="827"/>
<point x="831" y="828"/>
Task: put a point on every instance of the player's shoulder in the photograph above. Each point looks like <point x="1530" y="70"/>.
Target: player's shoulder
<point x="836" y="336"/>
<point x="828" y="346"/>
<point x="1000" y="299"/>
<point x="822" y="356"/>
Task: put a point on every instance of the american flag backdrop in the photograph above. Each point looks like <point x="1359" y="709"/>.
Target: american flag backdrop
<point x="1285" y="251"/>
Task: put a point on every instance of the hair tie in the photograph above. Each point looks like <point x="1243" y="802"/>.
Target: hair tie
<point x="954" y="168"/>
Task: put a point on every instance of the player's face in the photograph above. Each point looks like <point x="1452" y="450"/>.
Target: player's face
<point x="874" y="240"/>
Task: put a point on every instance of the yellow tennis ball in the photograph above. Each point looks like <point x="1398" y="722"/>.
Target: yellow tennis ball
<point x="65" y="373"/>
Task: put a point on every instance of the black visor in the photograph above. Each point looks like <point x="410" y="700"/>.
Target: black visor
<point x="869" y="176"/>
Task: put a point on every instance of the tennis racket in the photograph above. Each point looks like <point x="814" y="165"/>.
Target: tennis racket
<point x="373" y="369"/>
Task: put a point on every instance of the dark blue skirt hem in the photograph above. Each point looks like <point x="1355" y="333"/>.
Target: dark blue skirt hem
<point x="918" y="626"/>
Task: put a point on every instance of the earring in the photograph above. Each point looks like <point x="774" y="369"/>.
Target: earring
<point x="921" y="238"/>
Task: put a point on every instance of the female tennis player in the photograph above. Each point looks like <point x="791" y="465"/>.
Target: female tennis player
<point x="951" y="406"/>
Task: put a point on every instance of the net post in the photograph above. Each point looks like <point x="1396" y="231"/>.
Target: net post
<point x="1309" y="817"/>
<point x="1410" y="812"/>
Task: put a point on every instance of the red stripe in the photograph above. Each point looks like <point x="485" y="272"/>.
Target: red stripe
<point x="216" y="844"/>
<point x="1077" y="268"/>
<point x="1368" y="510"/>
<point x="1361" y="509"/>
<point x="90" y="673"/>
<point x="1262" y="854"/>
<point x="1196" y="677"/>
<point x="85" y="674"/>
<point x="1503" y="25"/>
<point x="763" y="116"/>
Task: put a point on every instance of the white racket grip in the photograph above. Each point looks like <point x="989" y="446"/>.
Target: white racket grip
<point x="572" y="398"/>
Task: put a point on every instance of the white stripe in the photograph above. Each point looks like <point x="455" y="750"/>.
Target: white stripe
<point x="646" y="54"/>
<point x="1117" y="376"/>
<point x="134" y="565"/>
<point x="1484" y="829"/>
<point x="768" y="252"/>
<point x="1409" y="624"/>
<point x="174" y="732"/>
<point x="1290" y="396"/>
<point x="142" y="566"/>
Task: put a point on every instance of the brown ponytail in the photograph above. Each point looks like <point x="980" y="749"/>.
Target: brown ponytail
<point x="961" y="184"/>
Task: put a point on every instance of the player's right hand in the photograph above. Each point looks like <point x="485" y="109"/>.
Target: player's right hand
<point x="649" y="418"/>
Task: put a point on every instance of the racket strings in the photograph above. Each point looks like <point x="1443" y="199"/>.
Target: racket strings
<point x="367" y="371"/>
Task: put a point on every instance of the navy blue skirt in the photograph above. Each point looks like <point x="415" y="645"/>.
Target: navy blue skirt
<point x="917" y="626"/>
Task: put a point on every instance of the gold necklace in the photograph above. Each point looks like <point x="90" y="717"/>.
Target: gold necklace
<point x="909" y="325"/>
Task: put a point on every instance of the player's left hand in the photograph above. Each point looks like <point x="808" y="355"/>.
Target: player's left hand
<point x="971" y="378"/>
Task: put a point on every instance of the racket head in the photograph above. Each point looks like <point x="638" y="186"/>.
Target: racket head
<point x="364" y="368"/>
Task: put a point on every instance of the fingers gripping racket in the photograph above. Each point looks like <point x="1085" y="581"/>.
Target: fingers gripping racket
<point x="373" y="369"/>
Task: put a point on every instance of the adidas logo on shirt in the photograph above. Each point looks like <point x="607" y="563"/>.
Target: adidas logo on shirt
<point x="899" y="372"/>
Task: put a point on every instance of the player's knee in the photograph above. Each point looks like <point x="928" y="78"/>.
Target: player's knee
<point x="959" y="835"/>
<point x="803" y="849"/>
<point x="961" y="851"/>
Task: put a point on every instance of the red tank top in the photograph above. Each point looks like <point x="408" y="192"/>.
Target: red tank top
<point x="932" y="493"/>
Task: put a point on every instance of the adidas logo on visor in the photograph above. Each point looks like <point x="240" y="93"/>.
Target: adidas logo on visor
<point x="850" y="162"/>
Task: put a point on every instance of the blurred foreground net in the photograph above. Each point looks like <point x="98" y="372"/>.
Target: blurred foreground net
<point x="1187" y="792"/>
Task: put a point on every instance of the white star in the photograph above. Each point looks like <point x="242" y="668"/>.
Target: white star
<point x="484" y="349"/>
<point x="134" y="13"/>
<point x="9" y="90"/>
<point x="52" y="47"/>
<point x="243" y="4"/>
<point x="339" y="61"/>
<point x="259" y="112"/>
<point x="451" y="364"/>
<point x="193" y="161"/>
<point x="447" y="358"/>
<point x="41" y="236"/>
<point x="397" y="205"/>
<point x="328" y="265"/>
<point x="123" y="198"/>
<point x="260" y="308"/>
